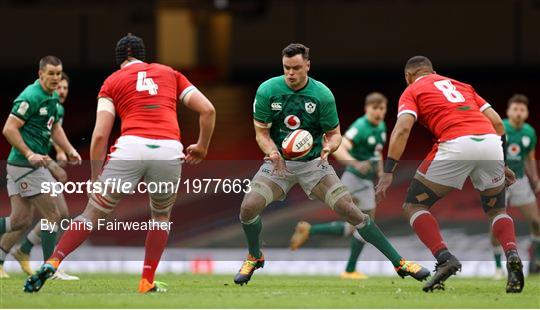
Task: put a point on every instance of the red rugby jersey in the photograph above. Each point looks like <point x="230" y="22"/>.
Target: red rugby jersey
<point x="145" y="98"/>
<point x="448" y="108"/>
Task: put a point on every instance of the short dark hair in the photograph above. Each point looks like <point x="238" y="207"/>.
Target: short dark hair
<point x="375" y="98"/>
<point x="49" y="60"/>
<point x="518" y="98"/>
<point x="294" y="49"/>
<point x="418" y="62"/>
<point x="65" y="77"/>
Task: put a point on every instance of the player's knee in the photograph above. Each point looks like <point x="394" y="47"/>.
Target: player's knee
<point x="349" y="211"/>
<point x="249" y="209"/>
<point x="20" y="222"/>
<point x="162" y="204"/>
<point x="420" y="194"/>
<point x="338" y="197"/>
<point x="103" y="204"/>
<point x="93" y="214"/>
<point x="260" y="193"/>
<point x="410" y="210"/>
<point x="494" y="204"/>
<point x="53" y="216"/>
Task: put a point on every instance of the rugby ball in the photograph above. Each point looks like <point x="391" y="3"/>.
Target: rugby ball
<point x="297" y="144"/>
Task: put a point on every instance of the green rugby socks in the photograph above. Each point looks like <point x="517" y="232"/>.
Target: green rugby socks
<point x="252" y="230"/>
<point x="372" y="234"/>
<point x="332" y="228"/>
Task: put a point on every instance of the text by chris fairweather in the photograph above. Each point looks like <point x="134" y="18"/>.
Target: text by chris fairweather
<point x="102" y="224"/>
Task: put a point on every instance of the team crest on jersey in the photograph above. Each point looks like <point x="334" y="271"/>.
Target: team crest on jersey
<point x="371" y="140"/>
<point x="292" y="122"/>
<point x="514" y="149"/>
<point x="23" y="108"/>
<point x="43" y="111"/>
<point x="526" y="141"/>
<point x="276" y="106"/>
<point x="310" y="107"/>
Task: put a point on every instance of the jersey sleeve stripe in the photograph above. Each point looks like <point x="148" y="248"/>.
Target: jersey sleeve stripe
<point x="485" y="106"/>
<point x="407" y="112"/>
<point x="105" y="104"/>
<point x="186" y="91"/>
<point x="18" y="116"/>
<point x="261" y="124"/>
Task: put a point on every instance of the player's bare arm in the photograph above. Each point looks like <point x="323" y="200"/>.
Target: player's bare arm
<point x="13" y="136"/>
<point x="59" y="137"/>
<point x="495" y="120"/>
<point x="331" y="142"/>
<point x="100" y="137"/>
<point x="269" y="148"/>
<point x="197" y="102"/>
<point x="398" y="141"/>
<point x="345" y="158"/>
<point x="497" y="123"/>
<point x="531" y="169"/>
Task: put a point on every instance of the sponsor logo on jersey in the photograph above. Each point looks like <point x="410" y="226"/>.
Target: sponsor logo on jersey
<point x="23" y="108"/>
<point x="514" y="149"/>
<point x="50" y="122"/>
<point x="526" y="141"/>
<point x="276" y="106"/>
<point x="371" y="140"/>
<point x="292" y="122"/>
<point x="43" y="111"/>
<point x="310" y="107"/>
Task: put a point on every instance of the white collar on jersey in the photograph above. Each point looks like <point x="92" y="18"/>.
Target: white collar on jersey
<point x="133" y="62"/>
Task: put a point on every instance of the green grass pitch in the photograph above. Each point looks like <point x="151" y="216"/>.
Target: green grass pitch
<point x="218" y="291"/>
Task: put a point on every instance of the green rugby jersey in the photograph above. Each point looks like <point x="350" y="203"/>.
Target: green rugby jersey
<point x="520" y="142"/>
<point x="312" y="108"/>
<point x="38" y="110"/>
<point x="368" y="141"/>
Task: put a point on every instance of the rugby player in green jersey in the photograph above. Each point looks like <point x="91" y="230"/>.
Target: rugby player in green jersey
<point x="283" y="104"/>
<point x="360" y="152"/>
<point x="520" y="155"/>
<point x="22" y="253"/>
<point x="29" y="128"/>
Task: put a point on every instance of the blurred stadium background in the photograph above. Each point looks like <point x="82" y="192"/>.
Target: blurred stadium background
<point x="226" y="48"/>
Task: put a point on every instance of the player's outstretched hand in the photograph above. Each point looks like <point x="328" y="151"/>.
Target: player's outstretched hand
<point x="38" y="160"/>
<point x="61" y="159"/>
<point x="280" y="168"/>
<point x="384" y="183"/>
<point x="74" y="158"/>
<point x="58" y="172"/>
<point x="195" y="154"/>
<point x="510" y="176"/>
